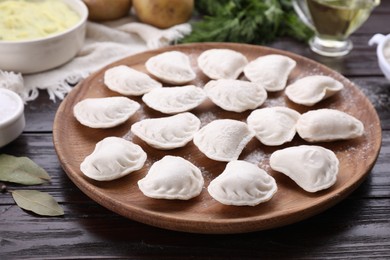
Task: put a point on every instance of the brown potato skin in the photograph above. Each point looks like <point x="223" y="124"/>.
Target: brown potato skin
<point x="163" y="13"/>
<point x="106" y="10"/>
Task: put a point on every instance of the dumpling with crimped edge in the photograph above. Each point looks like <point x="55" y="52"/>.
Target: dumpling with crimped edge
<point x="113" y="158"/>
<point x="326" y="125"/>
<point x="171" y="67"/>
<point x="271" y="71"/>
<point x="273" y="125"/>
<point x="104" y="112"/>
<point x="313" y="168"/>
<point x="171" y="100"/>
<point x="128" y="81"/>
<point x="172" y="178"/>
<point x="167" y="132"/>
<point x="223" y="139"/>
<point x="310" y="90"/>
<point x="222" y="63"/>
<point x="235" y="95"/>
<point x="242" y="184"/>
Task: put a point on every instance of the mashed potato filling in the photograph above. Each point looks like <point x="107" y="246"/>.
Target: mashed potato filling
<point x="32" y="19"/>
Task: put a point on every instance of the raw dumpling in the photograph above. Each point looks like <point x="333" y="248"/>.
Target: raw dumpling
<point x="313" y="168"/>
<point x="167" y="132"/>
<point x="113" y="158"/>
<point x="104" y="112"/>
<point x="328" y="125"/>
<point x="222" y="63"/>
<point x="171" y="100"/>
<point x="242" y="184"/>
<point x="223" y="139"/>
<point x="172" y="67"/>
<point x="274" y="125"/>
<point x="172" y="178"/>
<point x="312" y="89"/>
<point x="271" y="71"/>
<point x="128" y="81"/>
<point x="235" y="95"/>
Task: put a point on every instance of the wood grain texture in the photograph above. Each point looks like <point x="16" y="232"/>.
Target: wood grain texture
<point x="73" y="142"/>
<point x="356" y="228"/>
<point x="91" y="231"/>
<point x="351" y="229"/>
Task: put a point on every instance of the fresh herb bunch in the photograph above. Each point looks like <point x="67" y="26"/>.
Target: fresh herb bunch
<point x="248" y="21"/>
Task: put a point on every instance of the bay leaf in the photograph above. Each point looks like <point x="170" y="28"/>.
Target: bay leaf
<point x="21" y="170"/>
<point x="38" y="202"/>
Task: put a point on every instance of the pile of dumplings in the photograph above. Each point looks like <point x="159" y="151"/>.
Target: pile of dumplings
<point x="311" y="167"/>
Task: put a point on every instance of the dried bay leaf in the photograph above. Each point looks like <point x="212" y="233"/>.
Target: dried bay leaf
<point x="21" y="170"/>
<point x="38" y="202"/>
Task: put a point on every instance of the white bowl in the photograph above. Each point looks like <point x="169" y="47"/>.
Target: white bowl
<point x="381" y="40"/>
<point x="12" y="120"/>
<point x="42" y="54"/>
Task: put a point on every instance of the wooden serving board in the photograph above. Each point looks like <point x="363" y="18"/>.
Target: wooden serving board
<point x="73" y="142"/>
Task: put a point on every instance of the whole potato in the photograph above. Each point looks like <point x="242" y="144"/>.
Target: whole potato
<point x="105" y="10"/>
<point x="163" y="13"/>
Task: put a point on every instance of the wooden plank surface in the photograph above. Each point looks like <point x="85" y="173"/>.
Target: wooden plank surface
<point x="356" y="228"/>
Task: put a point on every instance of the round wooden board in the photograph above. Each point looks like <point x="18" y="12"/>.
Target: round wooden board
<point x="73" y="142"/>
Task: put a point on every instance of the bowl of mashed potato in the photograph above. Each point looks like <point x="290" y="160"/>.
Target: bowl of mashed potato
<point x="39" y="35"/>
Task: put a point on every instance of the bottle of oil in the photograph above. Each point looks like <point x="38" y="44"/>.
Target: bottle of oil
<point x="337" y="19"/>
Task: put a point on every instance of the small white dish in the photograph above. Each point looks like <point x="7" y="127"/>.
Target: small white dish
<point x="383" y="42"/>
<point x="37" y="55"/>
<point x="12" y="120"/>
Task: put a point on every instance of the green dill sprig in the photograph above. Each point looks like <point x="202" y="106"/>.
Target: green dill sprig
<point x="247" y="21"/>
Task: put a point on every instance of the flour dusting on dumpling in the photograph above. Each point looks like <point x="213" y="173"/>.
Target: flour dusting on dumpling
<point x="325" y="125"/>
<point x="312" y="167"/>
<point x="274" y="125"/>
<point x="242" y="184"/>
<point x="235" y="95"/>
<point x="222" y="63"/>
<point x="113" y="158"/>
<point x="172" y="67"/>
<point x="310" y="90"/>
<point x="104" y="112"/>
<point x="223" y="139"/>
<point x="171" y="100"/>
<point x="172" y="177"/>
<point x="270" y="70"/>
<point x="128" y="81"/>
<point x="167" y="132"/>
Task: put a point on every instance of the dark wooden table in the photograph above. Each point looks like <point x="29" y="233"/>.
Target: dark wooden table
<point x="358" y="227"/>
